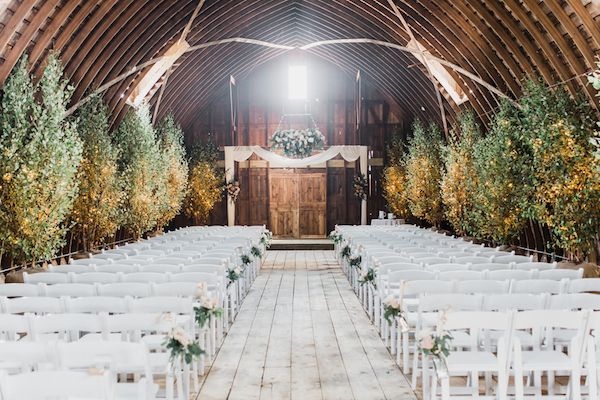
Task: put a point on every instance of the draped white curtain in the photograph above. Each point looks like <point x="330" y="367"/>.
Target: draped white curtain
<point x="242" y="153"/>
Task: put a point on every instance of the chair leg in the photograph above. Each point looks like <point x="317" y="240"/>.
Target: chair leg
<point x="551" y="383"/>
<point x="405" y="352"/>
<point x="445" y="388"/>
<point x="576" y="384"/>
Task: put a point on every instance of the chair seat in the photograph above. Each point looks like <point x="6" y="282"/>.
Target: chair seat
<point x="525" y="337"/>
<point x="462" y="361"/>
<point x="545" y="360"/>
<point x="126" y="391"/>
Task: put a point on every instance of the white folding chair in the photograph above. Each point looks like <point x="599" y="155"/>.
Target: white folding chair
<point x="45" y="277"/>
<point x="461" y="275"/>
<point x="97" y="304"/>
<point x="122" y="289"/>
<point x="485" y="287"/>
<point x="35" y="305"/>
<point x="19" y="290"/>
<point x="24" y="356"/>
<point x="94" y="277"/>
<point x="575" y="285"/>
<point x="67" y="289"/>
<point x="540" y="266"/>
<point x="182" y="289"/>
<point x="89" y="261"/>
<point x="145" y="277"/>
<point x="471" y="360"/>
<point x="172" y="260"/>
<point x="512" y="258"/>
<point x="489" y="266"/>
<point x="161" y="268"/>
<point x="432" y="260"/>
<point x="505" y="274"/>
<point x="538" y="286"/>
<point x="446" y="267"/>
<point x="65" y="327"/>
<point x="13" y="327"/>
<point x="58" y="385"/>
<point x="114" y="268"/>
<point x="472" y="260"/>
<point x="76" y="268"/>
<point x="559" y="274"/>
<point x="544" y="357"/>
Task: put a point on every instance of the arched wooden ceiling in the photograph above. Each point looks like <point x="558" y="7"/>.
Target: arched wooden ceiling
<point x="501" y="41"/>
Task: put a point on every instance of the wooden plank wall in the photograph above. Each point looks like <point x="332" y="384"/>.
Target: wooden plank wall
<point x="262" y="100"/>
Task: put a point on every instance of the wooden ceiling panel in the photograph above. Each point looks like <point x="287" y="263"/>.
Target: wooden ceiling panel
<point x="499" y="41"/>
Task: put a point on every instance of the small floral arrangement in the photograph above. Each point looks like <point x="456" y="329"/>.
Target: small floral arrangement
<point x="209" y="308"/>
<point x="298" y="143"/>
<point x="265" y="238"/>
<point x="246" y="259"/>
<point x="346" y="251"/>
<point x="336" y="237"/>
<point x="233" y="274"/>
<point x="361" y="186"/>
<point x="256" y="252"/>
<point x="392" y="308"/>
<point x="182" y="346"/>
<point x="436" y="344"/>
<point x="355" y="261"/>
<point x="233" y="190"/>
<point x="367" y="276"/>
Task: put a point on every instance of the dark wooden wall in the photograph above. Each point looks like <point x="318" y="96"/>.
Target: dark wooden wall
<point x="261" y="102"/>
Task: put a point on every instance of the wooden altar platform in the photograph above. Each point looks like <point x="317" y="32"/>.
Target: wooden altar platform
<point x="301" y="244"/>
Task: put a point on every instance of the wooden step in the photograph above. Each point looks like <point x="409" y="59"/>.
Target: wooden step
<point x="301" y="244"/>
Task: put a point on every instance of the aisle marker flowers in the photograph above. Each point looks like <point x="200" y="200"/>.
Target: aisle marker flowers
<point x="265" y="239"/>
<point x="209" y="308"/>
<point x="355" y="261"/>
<point x="181" y="346"/>
<point x="437" y="344"/>
<point x="336" y="237"/>
<point x="368" y="276"/>
<point x="392" y="309"/>
<point x="256" y="252"/>
<point x="233" y="274"/>
<point x="346" y="251"/>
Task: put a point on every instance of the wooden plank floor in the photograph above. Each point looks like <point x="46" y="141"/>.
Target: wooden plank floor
<point x="302" y="334"/>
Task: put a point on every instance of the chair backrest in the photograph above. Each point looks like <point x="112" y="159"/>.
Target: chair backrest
<point x="122" y="357"/>
<point x="504" y="274"/>
<point x="516" y="302"/>
<point x="540" y="266"/>
<point x="94" y="277"/>
<point x="109" y="256"/>
<point x="12" y="326"/>
<point x="27" y="354"/>
<point x="45" y="277"/>
<point x="477" y="320"/>
<point x="162" y="268"/>
<point x="68" y="289"/>
<point x="193" y="277"/>
<point x="145" y="277"/>
<point x="419" y="287"/>
<point x="19" y="289"/>
<point x="575" y="285"/>
<point x="461" y="275"/>
<point x="537" y="286"/>
<point x="35" y="305"/>
<point x="482" y="286"/>
<point x="446" y="267"/>
<point x="172" y="260"/>
<point x="452" y="302"/>
<point x="416" y="257"/>
<point x="182" y="289"/>
<point x="97" y="304"/>
<point x="396" y="259"/>
<point x="489" y="266"/>
<point x="575" y="301"/>
<point x="212" y="259"/>
<point x="472" y="260"/>
<point x="410" y="275"/>
<point x="560" y="274"/>
<point x="41" y="385"/>
<point x="176" y="305"/>
<point x="133" y="325"/>
<point x="117" y="267"/>
<point x="89" y="261"/>
<point x="433" y="260"/>
<point x="68" y="327"/>
<point x="77" y="268"/>
<point x="512" y="258"/>
<point x="122" y="289"/>
<point x="549" y="319"/>
<point x="209" y="269"/>
<point x="387" y="268"/>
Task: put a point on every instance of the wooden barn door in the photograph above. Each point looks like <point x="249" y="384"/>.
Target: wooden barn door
<point x="297" y="204"/>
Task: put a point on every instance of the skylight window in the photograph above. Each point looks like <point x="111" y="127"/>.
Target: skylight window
<point x="297" y="82"/>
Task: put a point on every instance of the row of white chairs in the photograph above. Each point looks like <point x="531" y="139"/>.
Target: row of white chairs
<point x="50" y="278"/>
<point x="172" y="266"/>
<point x="510" y="261"/>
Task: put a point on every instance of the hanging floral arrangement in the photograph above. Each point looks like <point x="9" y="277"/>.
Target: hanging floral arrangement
<point x="233" y="190"/>
<point x="361" y="186"/>
<point x="298" y="143"/>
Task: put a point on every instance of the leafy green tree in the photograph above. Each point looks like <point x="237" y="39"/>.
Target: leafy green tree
<point x="97" y="210"/>
<point x="563" y="180"/>
<point x="205" y="183"/>
<point x="395" y="179"/>
<point x="140" y="164"/>
<point x="501" y="163"/>
<point x="40" y="152"/>
<point x="460" y="177"/>
<point x="424" y="173"/>
<point x="175" y="170"/>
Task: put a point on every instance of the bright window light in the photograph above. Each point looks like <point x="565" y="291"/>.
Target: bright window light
<point x="297" y="82"/>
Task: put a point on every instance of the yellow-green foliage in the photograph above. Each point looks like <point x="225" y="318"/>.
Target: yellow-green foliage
<point x="424" y="173"/>
<point x="205" y="185"/>
<point x="97" y="210"/>
<point x="39" y="155"/>
<point x="141" y="166"/>
<point x="175" y="169"/>
<point x="460" y="178"/>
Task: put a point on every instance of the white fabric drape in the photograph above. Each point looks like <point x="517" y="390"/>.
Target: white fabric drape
<point x="242" y="153"/>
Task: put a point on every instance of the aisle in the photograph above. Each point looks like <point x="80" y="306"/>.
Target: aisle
<point x="302" y="334"/>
